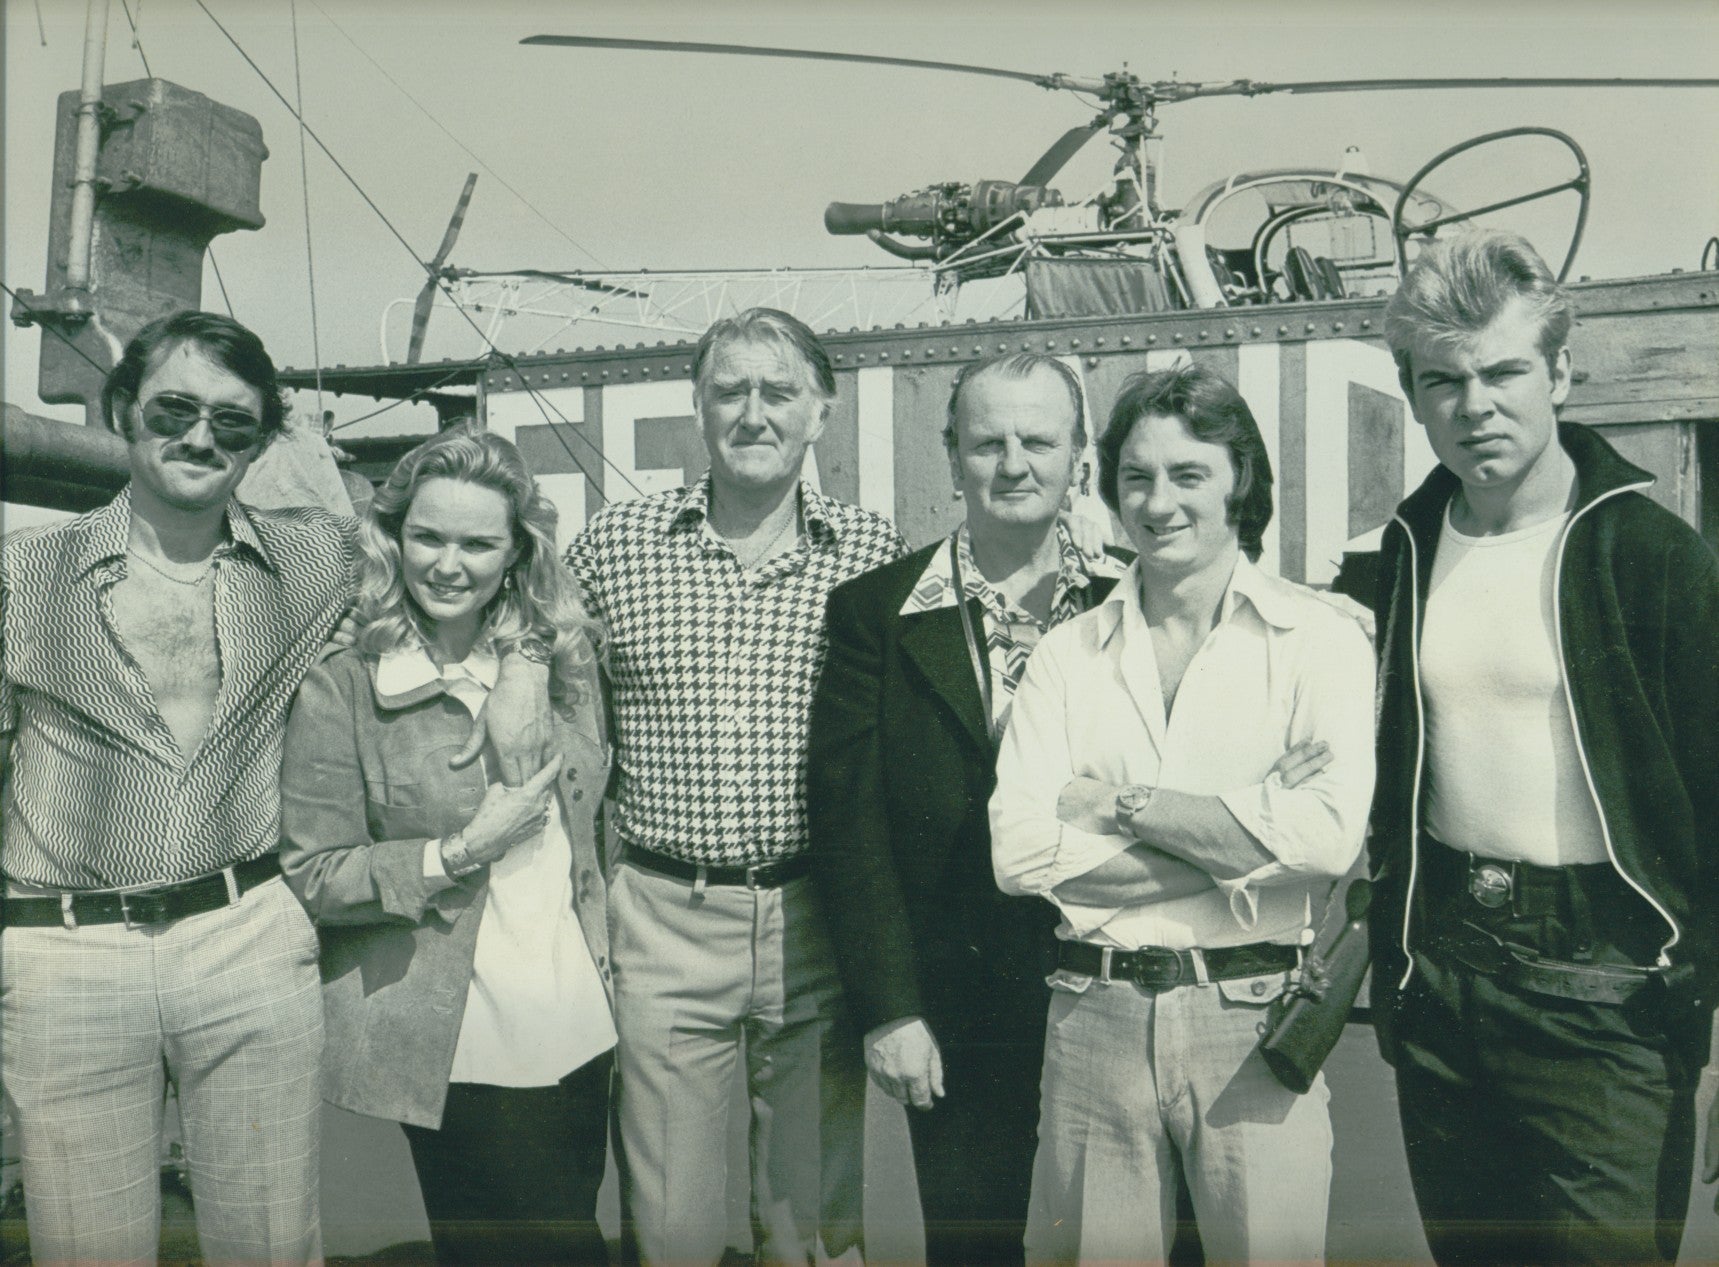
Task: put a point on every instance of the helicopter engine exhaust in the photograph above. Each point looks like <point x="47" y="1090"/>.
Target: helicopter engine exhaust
<point x="949" y="213"/>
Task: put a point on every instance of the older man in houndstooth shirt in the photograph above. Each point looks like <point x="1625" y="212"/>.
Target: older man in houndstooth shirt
<point x="714" y="599"/>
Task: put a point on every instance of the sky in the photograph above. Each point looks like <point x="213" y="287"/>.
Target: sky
<point x="628" y="159"/>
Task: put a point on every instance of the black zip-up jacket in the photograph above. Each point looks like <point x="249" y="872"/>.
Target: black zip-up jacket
<point x="1637" y="622"/>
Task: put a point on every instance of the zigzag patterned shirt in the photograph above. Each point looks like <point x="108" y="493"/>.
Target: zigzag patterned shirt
<point x="98" y="794"/>
<point x="712" y="669"/>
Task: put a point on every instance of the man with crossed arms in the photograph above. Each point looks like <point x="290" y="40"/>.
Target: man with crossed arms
<point x="1186" y="770"/>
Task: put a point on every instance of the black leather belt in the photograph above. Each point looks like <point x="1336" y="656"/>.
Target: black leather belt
<point x="1526" y="888"/>
<point x="134" y="907"/>
<point x="1481" y="951"/>
<point x="766" y="875"/>
<point x="1158" y="968"/>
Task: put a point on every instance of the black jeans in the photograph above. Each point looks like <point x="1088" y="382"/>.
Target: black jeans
<point x="513" y="1173"/>
<point x="1541" y="1129"/>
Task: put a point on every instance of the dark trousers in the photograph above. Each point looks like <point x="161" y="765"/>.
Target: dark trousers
<point x="513" y="1173"/>
<point x="973" y="1151"/>
<point x="1541" y="1129"/>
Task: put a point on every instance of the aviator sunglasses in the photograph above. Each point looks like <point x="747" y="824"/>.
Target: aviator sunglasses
<point x="170" y="416"/>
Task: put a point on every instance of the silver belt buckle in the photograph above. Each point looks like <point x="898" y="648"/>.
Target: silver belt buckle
<point x="1489" y="884"/>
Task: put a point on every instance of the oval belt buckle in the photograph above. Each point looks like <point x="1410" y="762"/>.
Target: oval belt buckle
<point x="1489" y="885"/>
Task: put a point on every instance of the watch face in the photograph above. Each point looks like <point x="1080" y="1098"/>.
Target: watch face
<point x="1134" y="798"/>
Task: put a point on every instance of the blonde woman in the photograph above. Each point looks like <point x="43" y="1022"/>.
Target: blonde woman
<point x="464" y="940"/>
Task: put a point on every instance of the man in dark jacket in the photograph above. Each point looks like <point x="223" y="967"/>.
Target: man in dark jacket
<point x="1548" y="788"/>
<point x="946" y="974"/>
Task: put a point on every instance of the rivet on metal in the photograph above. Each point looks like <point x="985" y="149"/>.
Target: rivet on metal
<point x="883" y="356"/>
<point x="1099" y="342"/>
<point x="605" y="374"/>
<point x="1230" y="333"/>
<point x="1309" y="327"/>
<point x="1205" y="334"/>
<point x="584" y="374"/>
<point x="625" y="373"/>
<point x="840" y="358"/>
<point x="1074" y="343"/>
<point x="1282" y="330"/>
<point x="1177" y="337"/>
<point x="1126" y="340"/>
<point x="1049" y="344"/>
<point x="1092" y="362"/>
<point x="1336" y="325"/>
<point x="1366" y="323"/>
<point x="1151" y="338"/>
<point x="1255" y="332"/>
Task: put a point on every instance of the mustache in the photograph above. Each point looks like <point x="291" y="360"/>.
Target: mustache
<point x="193" y="454"/>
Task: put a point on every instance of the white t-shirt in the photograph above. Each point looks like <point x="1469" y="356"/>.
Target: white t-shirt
<point x="1504" y="778"/>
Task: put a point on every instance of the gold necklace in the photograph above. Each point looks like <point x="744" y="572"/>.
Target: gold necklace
<point x="193" y="581"/>
<point x="760" y="556"/>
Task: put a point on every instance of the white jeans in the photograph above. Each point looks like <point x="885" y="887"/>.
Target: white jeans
<point x="229" y="1005"/>
<point x="1138" y="1086"/>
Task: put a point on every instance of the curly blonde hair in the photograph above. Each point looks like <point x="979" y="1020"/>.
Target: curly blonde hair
<point x="539" y="598"/>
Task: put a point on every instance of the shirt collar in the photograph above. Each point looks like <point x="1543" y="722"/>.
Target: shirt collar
<point x="407" y="675"/>
<point x="935" y="588"/>
<point x="693" y="509"/>
<point x="1271" y="599"/>
<point x="107" y="533"/>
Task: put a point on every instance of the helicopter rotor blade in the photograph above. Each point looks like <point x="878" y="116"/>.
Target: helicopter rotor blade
<point x="1173" y="91"/>
<point x="1067" y="146"/>
<point x="748" y="50"/>
<point x="427" y="296"/>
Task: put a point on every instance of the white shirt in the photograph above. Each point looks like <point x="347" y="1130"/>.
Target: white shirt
<point x="1504" y="775"/>
<point x="535" y="1009"/>
<point x="1280" y="667"/>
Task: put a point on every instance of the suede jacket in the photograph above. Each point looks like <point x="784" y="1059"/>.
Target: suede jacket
<point x="365" y="783"/>
<point x="1637" y="624"/>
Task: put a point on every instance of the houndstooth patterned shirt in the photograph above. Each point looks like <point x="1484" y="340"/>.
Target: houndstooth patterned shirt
<point x="98" y="794"/>
<point x="712" y="669"/>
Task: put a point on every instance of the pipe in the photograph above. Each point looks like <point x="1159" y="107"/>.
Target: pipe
<point x="88" y="149"/>
<point x="40" y="450"/>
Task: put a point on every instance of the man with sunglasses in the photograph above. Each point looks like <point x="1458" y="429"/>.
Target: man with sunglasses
<point x="152" y="649"/>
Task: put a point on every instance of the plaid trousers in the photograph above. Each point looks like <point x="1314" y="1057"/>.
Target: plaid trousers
<point x="93" y="1019"/>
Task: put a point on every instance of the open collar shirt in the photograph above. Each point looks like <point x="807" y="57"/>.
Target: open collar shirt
<point x="1279" y="667"/>
<point x="712" y="667"/>
<point x="98" y="794"/>
<point x="1011" y="632"/>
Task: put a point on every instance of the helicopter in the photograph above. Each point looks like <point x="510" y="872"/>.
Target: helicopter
<point x="1362" y="224"/>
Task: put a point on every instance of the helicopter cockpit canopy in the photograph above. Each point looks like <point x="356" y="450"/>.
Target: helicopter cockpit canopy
<point x="1291" y="233"/>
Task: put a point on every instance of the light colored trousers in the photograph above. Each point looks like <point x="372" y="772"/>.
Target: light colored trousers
<point x="701" y="977"/>
<point x="1138" y="1086"/>
<point x="94" y="1019"/>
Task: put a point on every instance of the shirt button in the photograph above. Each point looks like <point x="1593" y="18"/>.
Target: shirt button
<point x="578" y="794"/>
<point x="1259" y="987"/>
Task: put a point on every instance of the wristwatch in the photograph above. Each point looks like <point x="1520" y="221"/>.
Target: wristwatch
<point x="1131" y="800"/>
